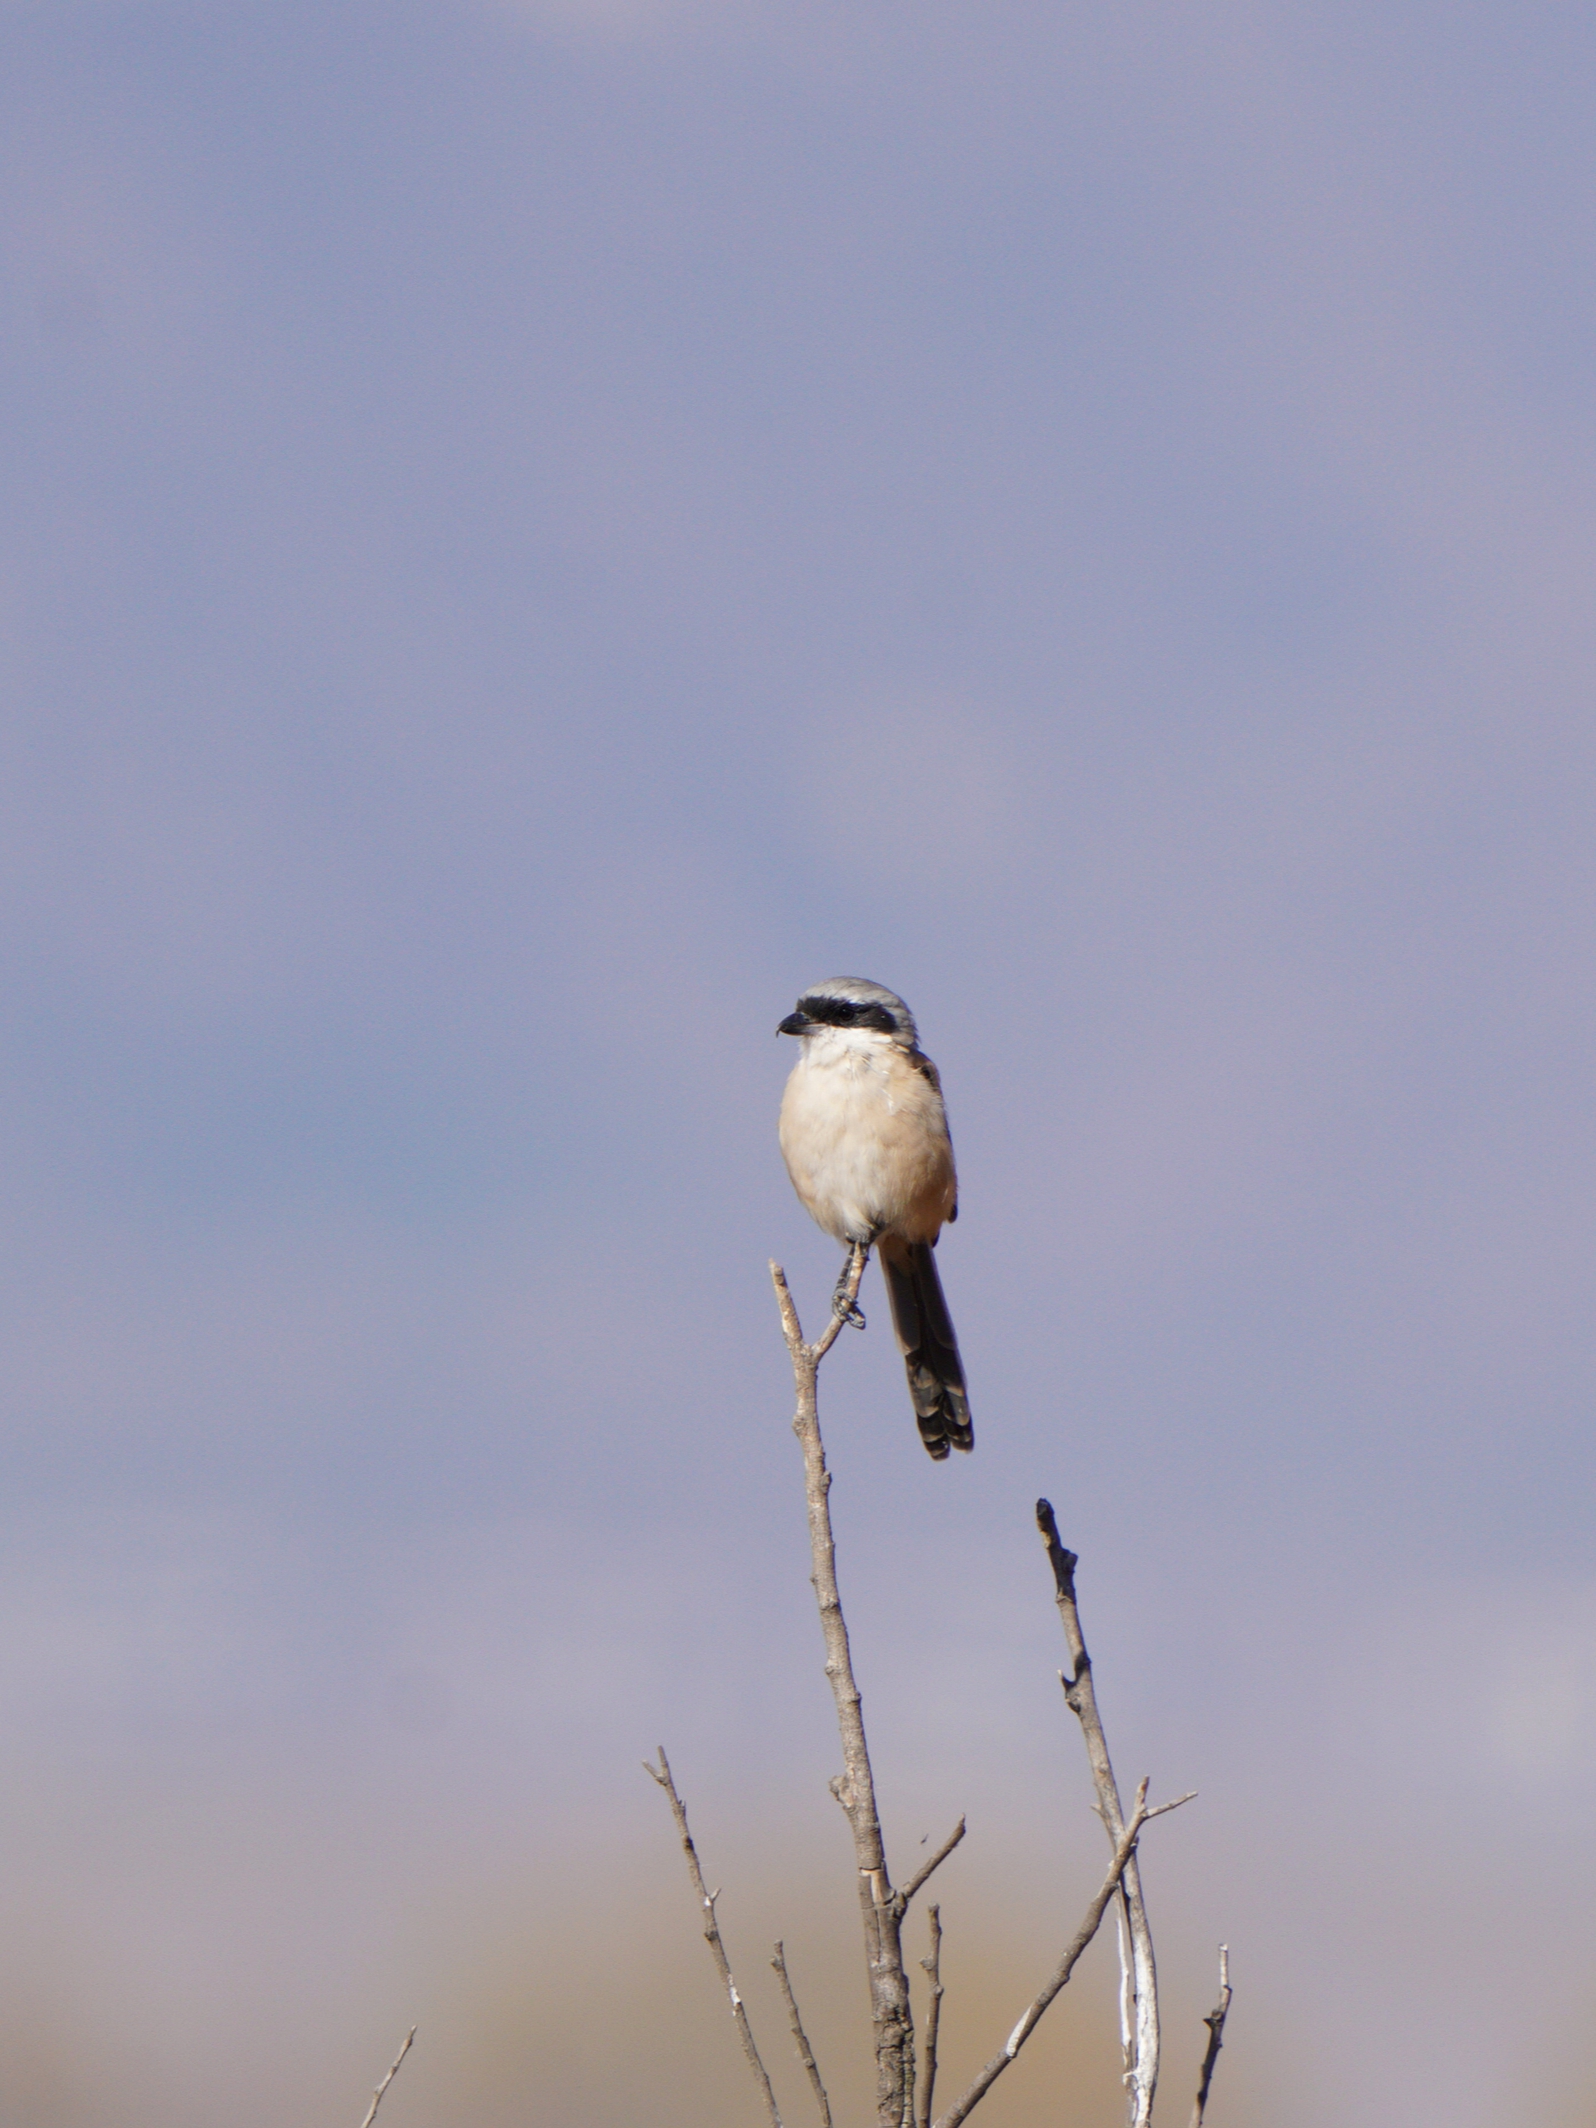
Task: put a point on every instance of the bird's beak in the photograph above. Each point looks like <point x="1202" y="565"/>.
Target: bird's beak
<point x="794" y="1023"/>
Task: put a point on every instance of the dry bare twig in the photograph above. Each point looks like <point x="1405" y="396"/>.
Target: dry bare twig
<point x="1215" y="2021"/>
<point x="393" y="2071"/>
<point x="898" y="2103"/>
<point x="806" y="2053"/>
<point x="1124" y="1853"/>
<point x="923" y="1874"/>
<point x="932" y="1967"/>
<point x="1141" y="2026"/>
<point x="661" y="1774"/>
<point x="880" y="1908"/>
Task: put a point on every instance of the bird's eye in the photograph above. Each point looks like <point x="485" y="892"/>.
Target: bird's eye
<point x="845" y="1012"/>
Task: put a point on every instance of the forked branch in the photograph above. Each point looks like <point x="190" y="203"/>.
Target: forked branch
<point x="899" y="2104"/>
<point x="1124" y="1850"/>
<point x="661" y="1774"/>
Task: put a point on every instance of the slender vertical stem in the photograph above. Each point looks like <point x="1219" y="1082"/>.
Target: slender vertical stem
<point x="806" y="2053"/>
<point x="854" y="1787"/>
<point x="933" y="2021"/>
<point x="717" y="1950"/>
<point x="1215" y="2021"/>
<point x="1127" y="1993"/>
<point x="1142" y="2068"/>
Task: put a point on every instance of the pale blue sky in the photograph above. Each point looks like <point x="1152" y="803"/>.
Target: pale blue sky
<point x="527" y="534"/>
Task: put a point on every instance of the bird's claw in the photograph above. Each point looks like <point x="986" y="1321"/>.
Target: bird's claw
<point x="845" y="1299"/>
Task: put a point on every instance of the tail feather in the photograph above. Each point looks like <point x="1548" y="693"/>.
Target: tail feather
<point x="930" y="1349"/>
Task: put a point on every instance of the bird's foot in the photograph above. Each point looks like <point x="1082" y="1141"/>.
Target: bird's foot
<point x="844" y="1305"/>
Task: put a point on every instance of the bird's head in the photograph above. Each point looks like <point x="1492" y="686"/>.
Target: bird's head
<point x="849" y="1002"/>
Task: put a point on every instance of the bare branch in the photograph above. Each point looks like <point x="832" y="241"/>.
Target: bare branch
<point x="933" y="2017"/>
<point x="1159" y="1809"/>
<point x="791" y="1328"/>
<point x="847" y="1296"/>
<point x="800" y="2037"/>
<point x="1124" y="1848"/>
<point x="661" y="1774"/>
<point x="1142" y="2063"/>
<point x="854" y="1789"/>
<point x="1215" y="2021"/>
<point x="922" y="1875"/>
<point x="393" y="2071"/>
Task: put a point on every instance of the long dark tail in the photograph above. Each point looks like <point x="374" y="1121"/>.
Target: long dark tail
<point x="930" y="1350"/>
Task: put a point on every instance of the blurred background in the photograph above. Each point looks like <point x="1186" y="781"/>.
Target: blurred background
<point x="529" y="532"/>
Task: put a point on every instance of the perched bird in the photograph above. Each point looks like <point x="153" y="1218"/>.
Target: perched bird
<point x="865" y="1139"/>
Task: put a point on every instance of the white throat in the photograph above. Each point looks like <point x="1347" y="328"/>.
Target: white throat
<point x="825" y="1047"/>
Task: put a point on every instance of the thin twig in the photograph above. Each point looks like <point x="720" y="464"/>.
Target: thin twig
<point x="706" y="1899"/>
<point x="1141" y="2068"/>
<point x="1215" y="2021"/>
<point x="922" y="1874"/>
<point x="806" y="2053"/>
<point x="854" y="1787"/>
<point x="1127" y="1993"/>
<point x="393" y="2071"/>
<point x="933" y="2017"/>
<point x="1159" y="1809"/>
<point x="1124" y="1849"/>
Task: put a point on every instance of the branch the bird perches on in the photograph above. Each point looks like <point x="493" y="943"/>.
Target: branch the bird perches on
<point x="904" y="2100"/>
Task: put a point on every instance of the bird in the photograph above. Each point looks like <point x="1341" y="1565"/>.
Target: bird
<point x="865" y="1137"/>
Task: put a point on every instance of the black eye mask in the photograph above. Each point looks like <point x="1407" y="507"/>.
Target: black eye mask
<point x="843" y="1012"/>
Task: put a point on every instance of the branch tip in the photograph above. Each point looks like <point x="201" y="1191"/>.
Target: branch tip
<point x="1139" y="1984"/>
<point x="393" y="2071"/>
<point x="1215" y="2021"/>
<point x="1159" y="1809"/>
<point x="926" y="1870"/>
<point x="801" y="2038"/>
<point x="712" y="1937"/>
